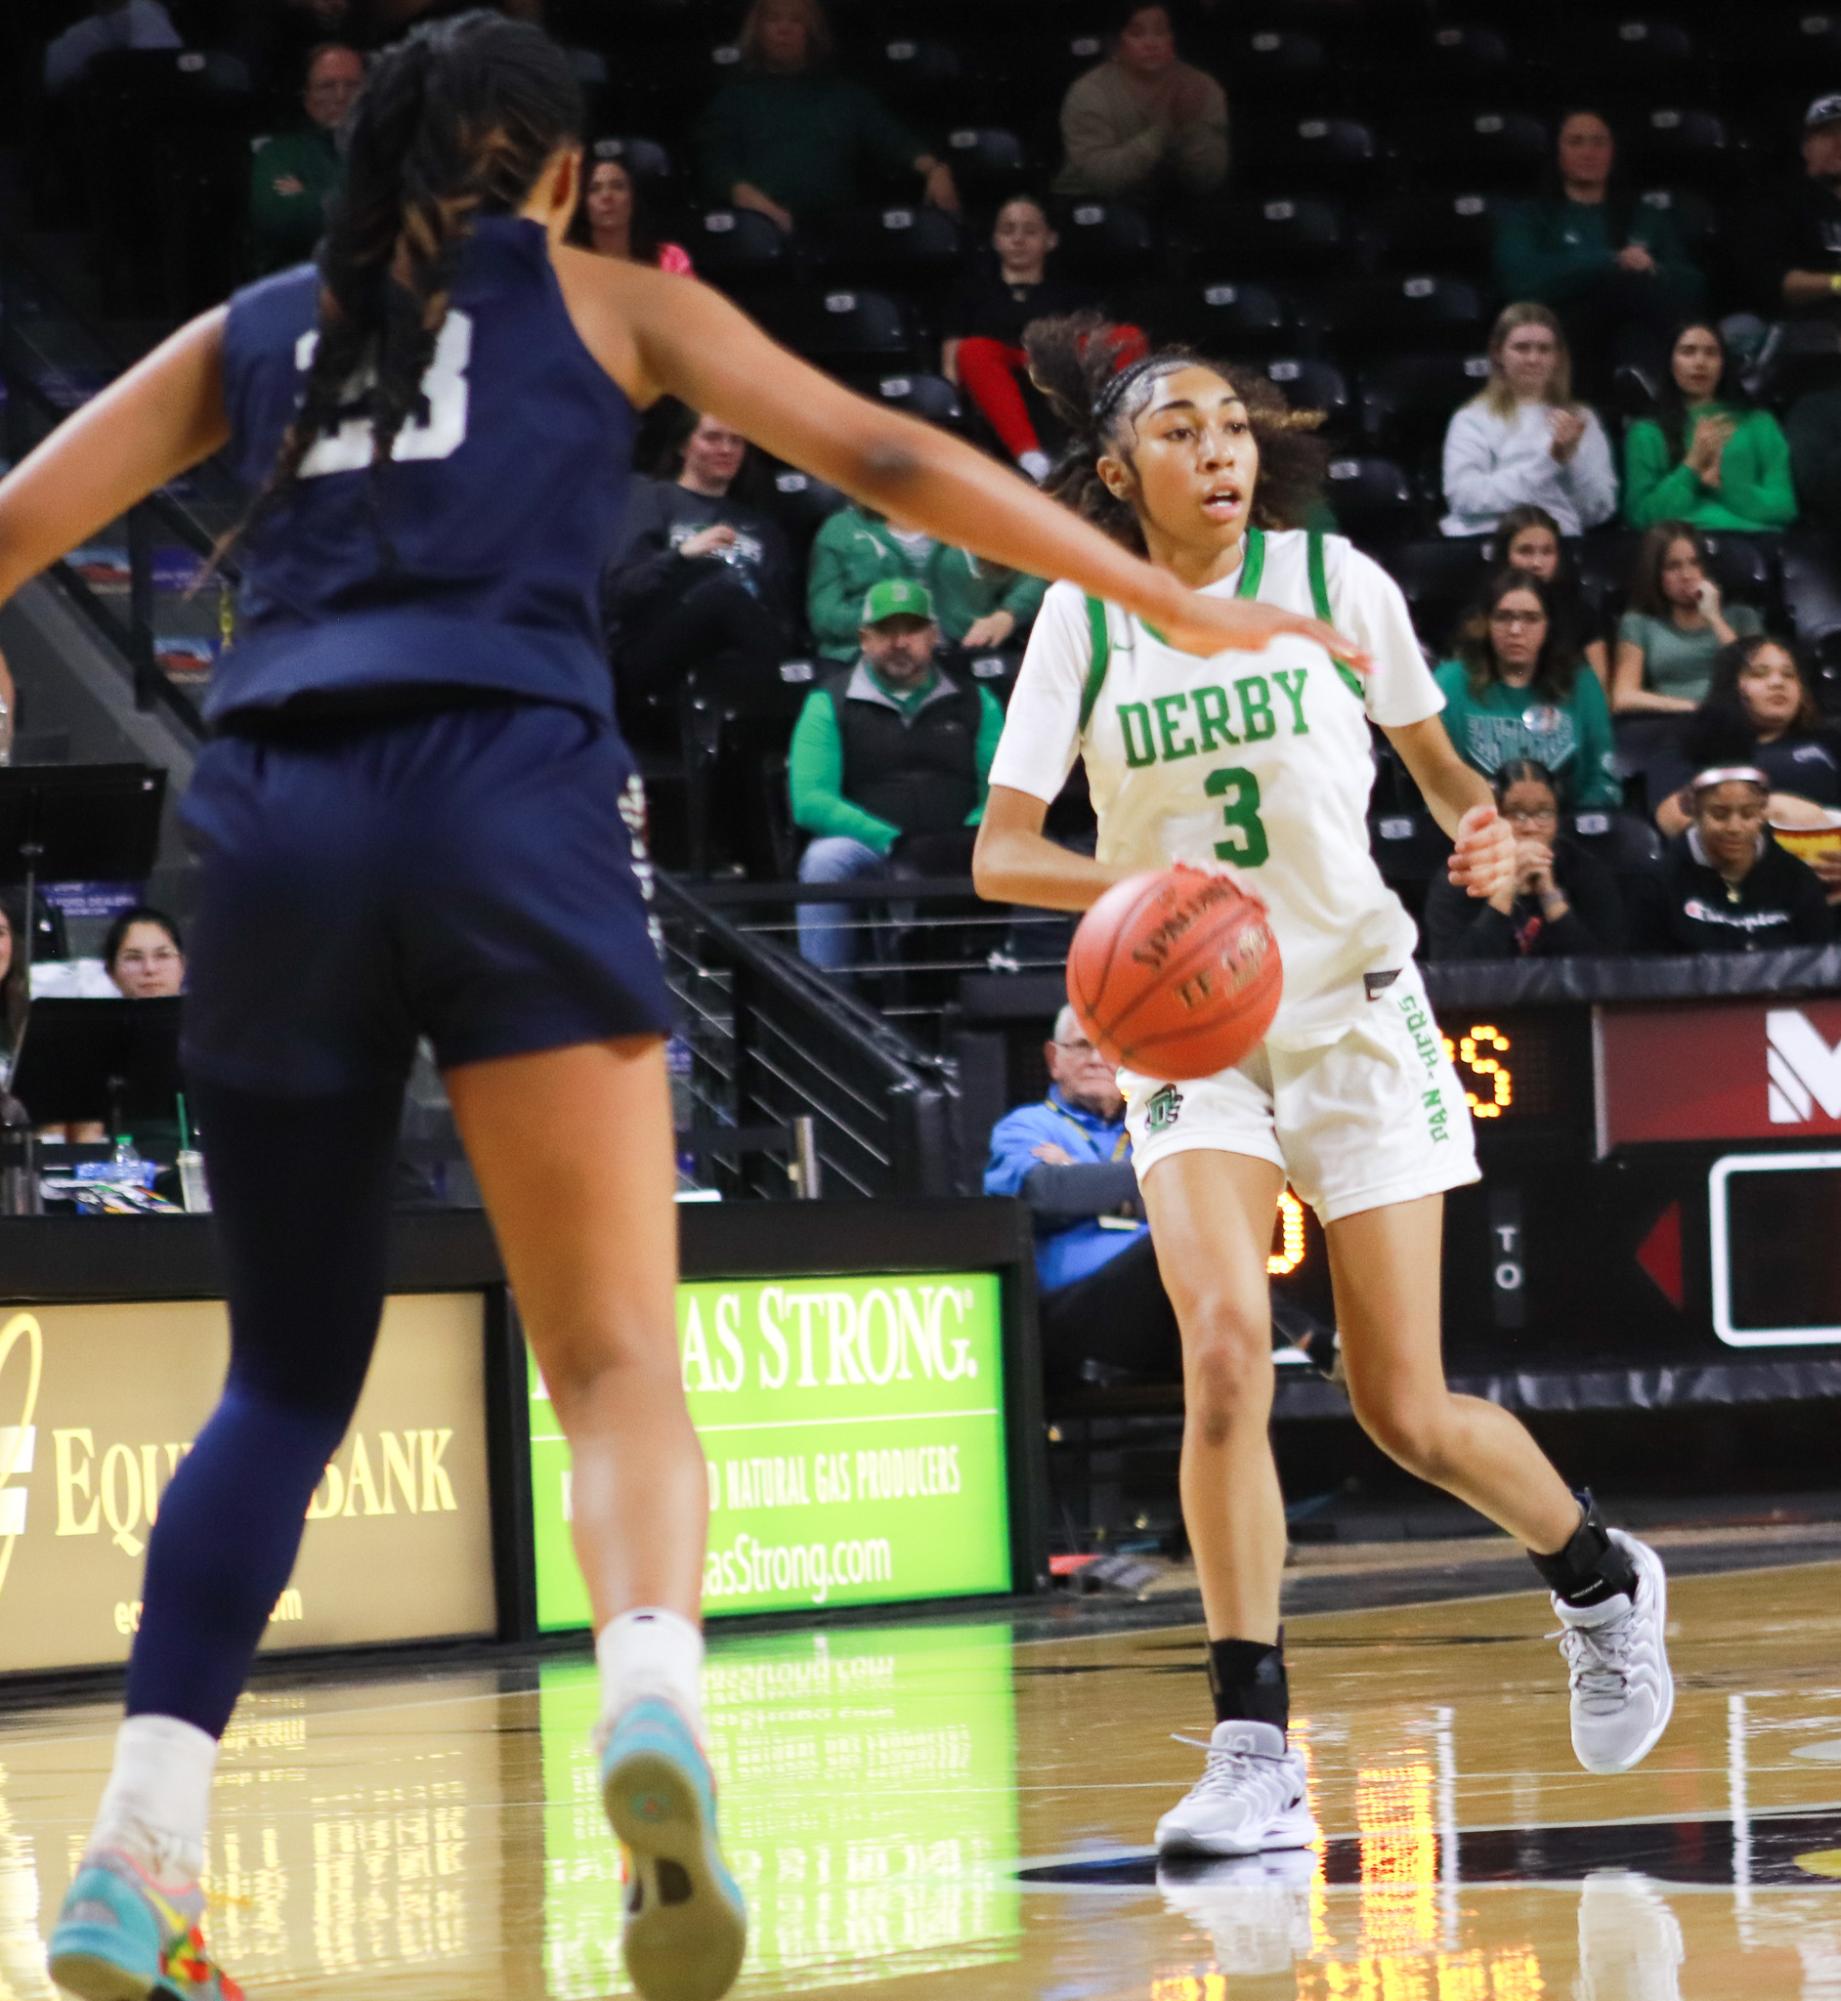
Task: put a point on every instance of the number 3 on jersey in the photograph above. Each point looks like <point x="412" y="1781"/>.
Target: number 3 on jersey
<point x="438" y="433"/>
<point x="1238" y="791"/>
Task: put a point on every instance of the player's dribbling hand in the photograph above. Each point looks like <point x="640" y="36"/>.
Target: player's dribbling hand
<point x="1207" y="626"/>
<point x="1483" y="857"/>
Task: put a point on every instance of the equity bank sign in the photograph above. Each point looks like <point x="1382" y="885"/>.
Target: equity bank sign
<point x="98" y="1408"/>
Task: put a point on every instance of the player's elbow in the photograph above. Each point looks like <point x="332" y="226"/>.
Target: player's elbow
<point x="992" y="861"/>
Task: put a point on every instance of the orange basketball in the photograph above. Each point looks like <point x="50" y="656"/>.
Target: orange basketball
<point x="1175" y="974"/>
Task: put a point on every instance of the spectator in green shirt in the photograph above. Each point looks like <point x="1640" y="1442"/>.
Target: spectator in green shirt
<point x="1675" y="624"/>
<point x="980" y="605"/>
<point x="1614" y="268"/>
<point x="890" y="764"/>
<point x="791" y="139"/>
<point x="1518" y="690"/>
<point x="294" y="177"/>
<point x="1709" y="456"/>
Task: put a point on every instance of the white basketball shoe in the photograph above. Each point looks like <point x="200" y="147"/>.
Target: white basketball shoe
<point x="1622" y="1691"/>
<point x="1251" y="1796"/>
<point x="1630" y="1945"/>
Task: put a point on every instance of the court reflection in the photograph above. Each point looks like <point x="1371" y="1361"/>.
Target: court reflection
<point x="868" y="1800"/>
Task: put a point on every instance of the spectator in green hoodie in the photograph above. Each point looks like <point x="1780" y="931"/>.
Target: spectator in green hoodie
<point x="1615" y="269"/>
<point x="1708" y="457"/>
<point x="979" y="605"/>
<point x="792" y="139"/>
<point x="294" y="177"/>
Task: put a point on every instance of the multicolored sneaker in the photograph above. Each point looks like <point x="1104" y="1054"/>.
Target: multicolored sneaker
<point x="123" y="1937"/>
<point x="686" y="1924"/>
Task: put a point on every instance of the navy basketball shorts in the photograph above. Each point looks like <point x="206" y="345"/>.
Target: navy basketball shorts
<point x="476" y="875"/>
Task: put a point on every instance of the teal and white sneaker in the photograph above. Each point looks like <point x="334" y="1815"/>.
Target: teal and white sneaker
<point x="121" y="1936"/>
<point x="686" y="1924"/>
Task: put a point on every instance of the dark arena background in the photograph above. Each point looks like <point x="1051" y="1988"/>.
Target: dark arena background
<point x="953" y="1615"/>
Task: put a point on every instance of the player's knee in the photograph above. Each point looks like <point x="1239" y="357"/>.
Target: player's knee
<point x="1412" y="1431"/>
<point x="1227" y="1367"/>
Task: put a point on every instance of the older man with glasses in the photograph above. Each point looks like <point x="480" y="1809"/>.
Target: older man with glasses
<point x="1104" y="1313"/>
<point x="294" y="176"/>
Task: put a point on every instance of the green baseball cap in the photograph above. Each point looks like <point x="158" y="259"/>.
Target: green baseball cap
<point x="897" y="597"/>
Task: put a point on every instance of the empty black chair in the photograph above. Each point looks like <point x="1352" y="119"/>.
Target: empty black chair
<point x="802" y="503"/>
<point x="1105" y="244"/>
<point x="1482" y="151"/>
<point x="1419" y="312"/>
<point x="1627" y="845"/>
<point x="987" y="163"/>
<point x="1281" y="238"/>
<point x="853" y="332"/>
<point x="1441" y="577"/>
<point x="1748" y="571"/>
<point x="1684" y="149"/>
<point x="1811" y="583"/>
<point x="1433" y="230"/>
<point x="1280" y="59"/>
<point x="1309" y="384"/>
<point x="1650" y="56"/>
<point x="1408" y="400"/>
<point x="1372" y="499"/>
<point x="915" y="75"/>
<point x="1229" y="320"/>
<point x="736" y="249"/>
<point x="916" y="249"/>
<point x="929" y="397"/>
<point x="1334" y="156"/>
<point x="646" y="160"/>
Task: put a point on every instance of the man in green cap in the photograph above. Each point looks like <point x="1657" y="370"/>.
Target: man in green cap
<point x="890" y="762"/>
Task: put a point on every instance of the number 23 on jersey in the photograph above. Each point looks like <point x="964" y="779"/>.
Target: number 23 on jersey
<point x="436" y="431"/>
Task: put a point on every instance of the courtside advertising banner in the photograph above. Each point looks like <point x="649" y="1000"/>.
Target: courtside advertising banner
<point x="854" y="1429"/>
<point x="99" y="1404"/>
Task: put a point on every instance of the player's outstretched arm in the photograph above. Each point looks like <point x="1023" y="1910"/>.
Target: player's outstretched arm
<point x="689" y="342"/>
<point x="162" y="417"/>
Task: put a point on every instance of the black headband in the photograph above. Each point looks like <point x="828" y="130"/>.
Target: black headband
<point x="1112" y="391"/>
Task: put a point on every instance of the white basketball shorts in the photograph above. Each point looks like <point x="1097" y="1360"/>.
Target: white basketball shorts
<point x="1374" y="1118"/>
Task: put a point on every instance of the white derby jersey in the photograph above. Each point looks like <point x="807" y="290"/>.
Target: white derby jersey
<point x="1260" y="759"/>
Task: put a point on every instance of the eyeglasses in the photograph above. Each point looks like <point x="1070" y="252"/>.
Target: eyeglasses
<point x="1530" y="816"/>
<point x="1518" y="618"/>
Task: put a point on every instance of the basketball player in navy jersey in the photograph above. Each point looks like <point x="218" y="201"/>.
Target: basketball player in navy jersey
<point x="417" y="818"/>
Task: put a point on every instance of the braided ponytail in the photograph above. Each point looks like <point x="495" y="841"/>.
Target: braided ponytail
<point x="1097" y="378"/>
<point x="457" y="120"/>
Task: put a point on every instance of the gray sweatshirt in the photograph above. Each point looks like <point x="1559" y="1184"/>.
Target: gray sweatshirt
<point x="1494" y="463"/>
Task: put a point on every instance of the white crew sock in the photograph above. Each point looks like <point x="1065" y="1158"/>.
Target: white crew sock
<point x="651" y="1652"/>
<point x="158" y="1797"/>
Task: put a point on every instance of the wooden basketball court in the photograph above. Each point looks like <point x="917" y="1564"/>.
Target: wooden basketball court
<point x="961" y="1807"/>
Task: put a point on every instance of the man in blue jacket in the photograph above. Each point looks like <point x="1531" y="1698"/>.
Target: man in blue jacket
<point x="1105" y="1316"/>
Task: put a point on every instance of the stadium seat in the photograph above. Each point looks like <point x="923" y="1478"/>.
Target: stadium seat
<point x="1280" y="238"/>
<point x="1685" y="149"/>
<point x="918" y="249"/>
<point x="1315" y="156"/>
<point x="1279" y="60"/>
<point x="1313" y="385"/>
<point x="1104" y="244"/>
<point x="1811" y="584"/>
<point x="1420" y="312"/>
<point x="996" y="670"/>
<point x="1373" y="500"/>
<point x="1408" y="400"/>
<point x="737" y="249"/>
<point x="1430" y="231"/>
<point x="1228" y="320"/>
<point x="1627" y="845"/>
<point x="851" y="331"/>
<point x="988" y="163"/>
<point x="1441" y="576"/>
<point x="645" y="159"/>
<point x="737" y="725"/>
<point x="1484" y="151"/>
<point x="802" y="503"/>
<point x="929" y="397"/>
<point x="1651" y="57"/>
<point x="914" y="75"/>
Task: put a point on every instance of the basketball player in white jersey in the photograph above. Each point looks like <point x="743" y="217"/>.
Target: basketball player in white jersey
<point x="1262" y="763"/>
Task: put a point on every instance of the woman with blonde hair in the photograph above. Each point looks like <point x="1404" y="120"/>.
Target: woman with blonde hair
<point x="1523" y="441"/>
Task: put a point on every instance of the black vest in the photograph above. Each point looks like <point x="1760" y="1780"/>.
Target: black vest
<point x="918" y="768"/>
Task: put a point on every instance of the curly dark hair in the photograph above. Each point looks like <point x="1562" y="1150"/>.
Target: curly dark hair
<point x="1732" y="661"/>
<point x="1074" y="361"/>
<point x="457" y="120"/>
<point x="1555" y="671"/>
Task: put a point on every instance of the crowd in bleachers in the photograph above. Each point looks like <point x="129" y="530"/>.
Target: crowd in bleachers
<point x="1565" y="284"/>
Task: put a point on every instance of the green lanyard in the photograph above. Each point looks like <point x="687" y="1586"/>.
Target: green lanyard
<point x="1119" y="1146"/>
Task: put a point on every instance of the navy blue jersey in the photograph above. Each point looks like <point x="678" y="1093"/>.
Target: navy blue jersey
<point x="503" y="499"/>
